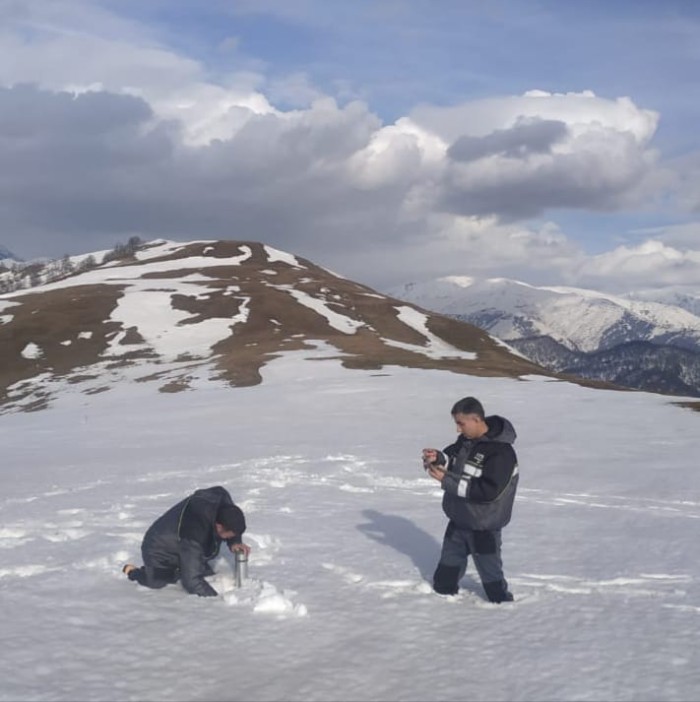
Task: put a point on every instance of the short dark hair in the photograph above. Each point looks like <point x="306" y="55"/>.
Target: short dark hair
<point x="468" y="405"/>
<point x="231" y="518"/>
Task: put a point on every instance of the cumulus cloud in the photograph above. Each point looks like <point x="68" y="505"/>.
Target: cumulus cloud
<point x="516" y="157"/>
<point x="328" y="182"/>
<point x="103" y="136"/>
<point x="581" y="111"/>
<point x="526" y="137"/>
<point x="96" y="167"/>
<point x="647" y="265"/>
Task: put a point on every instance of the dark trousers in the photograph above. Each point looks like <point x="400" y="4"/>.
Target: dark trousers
<point x="156" y="578"/>
<point x="485" y="548"/>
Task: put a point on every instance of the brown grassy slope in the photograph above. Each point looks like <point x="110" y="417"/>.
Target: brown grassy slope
<point x="276" y="322"/>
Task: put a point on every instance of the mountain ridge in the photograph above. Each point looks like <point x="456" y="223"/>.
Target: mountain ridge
<point x="173" y="309"/>
<point x="637" y="341"/>
<point x="580" y="319"/>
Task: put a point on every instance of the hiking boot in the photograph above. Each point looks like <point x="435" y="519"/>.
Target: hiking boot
<point x="498" y="592"/>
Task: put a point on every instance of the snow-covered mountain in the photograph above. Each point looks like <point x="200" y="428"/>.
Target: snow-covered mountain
<point x="639" y="341"/>
<point x="6" y="254"/>
<point x="580" y="319"/>
<point x="684" y="296"/>
<point x="169" y="311"/>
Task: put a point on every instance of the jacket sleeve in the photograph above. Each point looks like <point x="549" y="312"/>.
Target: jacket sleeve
<point x="445" y="456"/>
<point x="192" y="569"/>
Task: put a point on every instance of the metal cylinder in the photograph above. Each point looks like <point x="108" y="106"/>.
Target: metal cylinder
<point x="241" y="567"/>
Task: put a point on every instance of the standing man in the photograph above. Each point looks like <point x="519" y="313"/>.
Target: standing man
<point x="180" y="543"/>
<point x="479" y="475"/>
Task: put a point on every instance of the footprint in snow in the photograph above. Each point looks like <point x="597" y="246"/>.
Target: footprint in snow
<point x="347" y="575"/>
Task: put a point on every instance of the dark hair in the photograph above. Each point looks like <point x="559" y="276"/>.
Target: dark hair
<point x="469" y="405"/>
<point x="231" y="518"/>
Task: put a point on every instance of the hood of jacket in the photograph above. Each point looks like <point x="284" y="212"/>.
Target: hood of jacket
<point x="499" y="429"/>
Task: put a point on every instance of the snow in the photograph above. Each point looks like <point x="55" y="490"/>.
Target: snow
<point x="274" y="254"/>
<point x="436" y="347"/>
<point x="31" y="350"/>
<point x="602" y="554"/>
<point x="164" y="247"/>
<point x="337" y="321"/>
<point x="4" y="306"/>
<point x="686" y="297"/>
<point x="576" y="317"/>
<point x="165" y="328"/>
<point x="129" y="274"/>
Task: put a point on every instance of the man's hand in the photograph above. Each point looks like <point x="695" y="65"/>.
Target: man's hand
<point x="430" y="455"/>
<point x="437" y="472"/>
<point x="243" y="548"/>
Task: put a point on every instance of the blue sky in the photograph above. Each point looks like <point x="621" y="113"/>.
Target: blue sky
<point x="399" y="54"/>
<point x="362" y="102"/>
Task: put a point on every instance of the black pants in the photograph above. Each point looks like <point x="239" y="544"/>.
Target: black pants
<point x="485" y="548"/>
<point x="156" y="578"/>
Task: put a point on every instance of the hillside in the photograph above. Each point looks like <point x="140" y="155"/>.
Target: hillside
<point x="175" y="312"/>
<point x="580" y="319"/>
<point x="642" y="341"/>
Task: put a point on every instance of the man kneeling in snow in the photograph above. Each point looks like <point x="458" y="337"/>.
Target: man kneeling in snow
<point x="180" y="544"/>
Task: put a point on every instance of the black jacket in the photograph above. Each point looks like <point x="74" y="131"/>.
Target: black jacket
<point x="185" y="538"/>
<point x="481" y="478"/>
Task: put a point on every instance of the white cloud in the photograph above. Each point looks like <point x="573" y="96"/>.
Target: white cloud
<point x="686" y="235"/>
<point x="443" y="190"/>
<point x="78" y="46"/>
<point x="580" y="111"/>
<point x="518" y="156"/>
<point x="649" y="264"/>
<point x="397" y="153"/>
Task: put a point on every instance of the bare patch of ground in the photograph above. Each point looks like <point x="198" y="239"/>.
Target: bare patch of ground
<point x="695" y="406"/>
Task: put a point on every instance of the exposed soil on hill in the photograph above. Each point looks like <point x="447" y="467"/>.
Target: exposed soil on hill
<point x="68" y="332"/>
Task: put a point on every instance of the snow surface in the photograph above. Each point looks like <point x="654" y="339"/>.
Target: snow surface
<point x="274" y="254"/>
<point x="686" y="297"/>
<point x="602" y="553"/>
<point x="340" y="322"/>
<point x="31" y="350"/>
<point x="436" y="347"/>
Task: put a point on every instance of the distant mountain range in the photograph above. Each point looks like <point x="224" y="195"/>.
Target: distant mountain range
<point x="7" y="254"/>
<point x="179" y="314"/>
<point x="648" y="340"/>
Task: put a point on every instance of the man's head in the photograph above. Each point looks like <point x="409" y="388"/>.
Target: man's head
<point x="230" y="521"/>
<point x="469" y="417"/>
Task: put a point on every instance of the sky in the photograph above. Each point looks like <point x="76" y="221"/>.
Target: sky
<point x="391" y="142"/>
<point x="345" y="528"/>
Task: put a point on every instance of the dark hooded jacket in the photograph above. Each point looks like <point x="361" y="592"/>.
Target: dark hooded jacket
<point x="185" y="538"/>
<point x="481" y="478"/>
